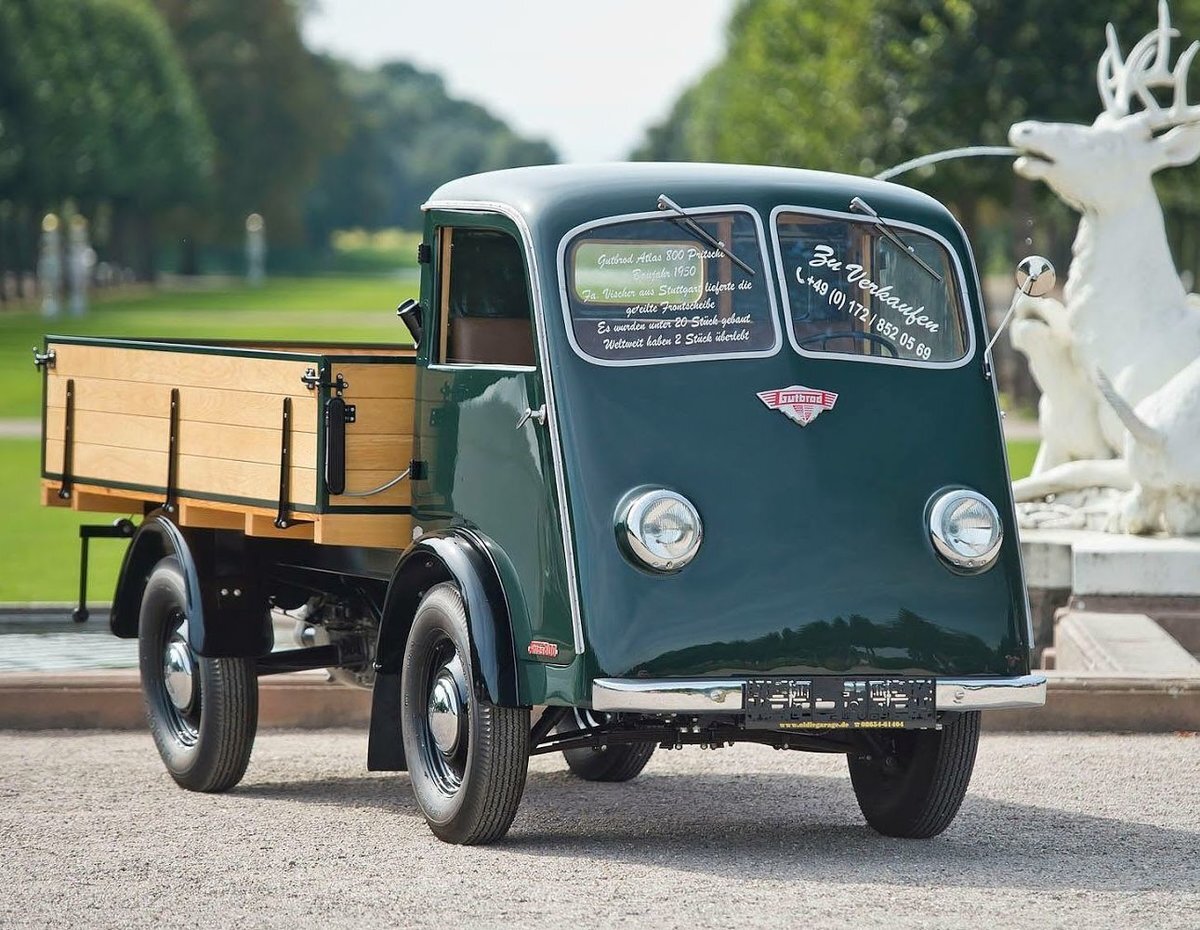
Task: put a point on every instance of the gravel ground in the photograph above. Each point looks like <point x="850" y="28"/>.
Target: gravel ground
<point x="1057" y="831"/>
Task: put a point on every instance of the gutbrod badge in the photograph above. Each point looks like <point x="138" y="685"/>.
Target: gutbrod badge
<point x="799" y="403"/>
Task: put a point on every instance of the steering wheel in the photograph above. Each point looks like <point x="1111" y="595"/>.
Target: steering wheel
<point x="824" y="339"/>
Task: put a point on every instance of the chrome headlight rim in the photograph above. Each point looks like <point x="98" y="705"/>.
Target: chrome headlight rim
<point x="630" y="514"/>
<point x="942" y="503"/>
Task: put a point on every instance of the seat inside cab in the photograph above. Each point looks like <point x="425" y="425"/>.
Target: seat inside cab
<point x="484" y="296"/>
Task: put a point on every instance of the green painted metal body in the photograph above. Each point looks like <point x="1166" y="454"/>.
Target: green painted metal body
<point x="816" y="556"/>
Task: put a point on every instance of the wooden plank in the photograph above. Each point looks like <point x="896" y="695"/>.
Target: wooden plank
<point x="388" y="531"/>
<point x="181" y="368"/>
<point x="50" y="496"/>
<point x="367" y="452"/>
<point x="384" y="381"/>
<point x="258" y="524"/>
<point x="211" y="517"/>
<point x="445" y="236"/>
<point x="197" y="474"/>
<point x="383" y="416"/>
<point x="90" y="501"/>
<point x="208" y="405"/>
<point x="98" y="499"/>
<point x="384" y="531"/>
<point x="399" y="495"/>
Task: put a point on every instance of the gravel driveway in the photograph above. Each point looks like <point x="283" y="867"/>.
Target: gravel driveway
<point x="1058" y="831"/>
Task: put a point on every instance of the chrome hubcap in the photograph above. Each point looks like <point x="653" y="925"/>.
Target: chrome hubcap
<point x="179" y="672"/>
<point x="447" y="708"/>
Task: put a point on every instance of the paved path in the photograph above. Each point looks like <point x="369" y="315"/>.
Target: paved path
<point x="1058" y="831"/>
<point x="20" y="429"/>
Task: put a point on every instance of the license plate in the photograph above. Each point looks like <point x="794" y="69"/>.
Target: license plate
<point x="835" y="703"/>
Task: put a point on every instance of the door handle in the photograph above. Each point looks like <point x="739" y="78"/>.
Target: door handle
<point x="531" y="414"/>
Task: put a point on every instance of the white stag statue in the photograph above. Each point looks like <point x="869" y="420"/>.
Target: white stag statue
<point x="1119" y="364"/>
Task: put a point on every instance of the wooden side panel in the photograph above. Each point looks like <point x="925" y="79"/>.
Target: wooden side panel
<point x="228" y="439"/>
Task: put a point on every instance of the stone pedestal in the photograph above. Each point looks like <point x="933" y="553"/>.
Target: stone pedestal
<point x="1082" y="582"/>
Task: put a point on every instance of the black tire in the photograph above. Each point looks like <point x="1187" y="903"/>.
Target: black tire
<point x="915" y="785"/>
<point x="205" y="744"/>
<point x="468" y="787"/>
<point x="612" y="763"/>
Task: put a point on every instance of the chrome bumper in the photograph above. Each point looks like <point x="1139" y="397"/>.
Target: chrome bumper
<point x="724" y="695"/>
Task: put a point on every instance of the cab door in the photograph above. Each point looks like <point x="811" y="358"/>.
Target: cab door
<point x="480" y="424"/>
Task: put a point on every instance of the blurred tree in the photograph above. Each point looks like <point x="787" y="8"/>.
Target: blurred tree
<point x="407" y="136"/>
<point x="95" y="108"/>
<point x="858" y="85"/>
<point x="274" y="109"/>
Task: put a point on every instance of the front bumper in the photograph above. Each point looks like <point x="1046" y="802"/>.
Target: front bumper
<point x="724" y="695"/>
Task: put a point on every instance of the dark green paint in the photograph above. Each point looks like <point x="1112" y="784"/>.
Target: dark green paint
<point x="816" y="555"/>
<point x="485" y="474"/>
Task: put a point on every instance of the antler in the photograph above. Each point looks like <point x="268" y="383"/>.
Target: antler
<point x="1147" y="67"/>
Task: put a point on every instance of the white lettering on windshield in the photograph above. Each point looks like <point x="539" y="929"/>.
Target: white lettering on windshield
<point x="823" y="257"/>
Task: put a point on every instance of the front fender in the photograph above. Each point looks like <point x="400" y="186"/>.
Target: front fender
<point x="227" y="615"/>
<point x="460" y="557"/>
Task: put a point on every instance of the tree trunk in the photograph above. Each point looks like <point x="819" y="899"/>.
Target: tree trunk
<point x="146" y="268"/>
<point x="189" y="258"/>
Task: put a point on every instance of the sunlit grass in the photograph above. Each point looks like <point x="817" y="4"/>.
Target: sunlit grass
<point x="1021" y="453"/>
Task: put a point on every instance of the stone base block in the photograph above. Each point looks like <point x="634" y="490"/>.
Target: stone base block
<point x="1113" y="643"/>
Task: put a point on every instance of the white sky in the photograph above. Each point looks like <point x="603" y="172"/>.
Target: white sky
<point x="590" y="77"/>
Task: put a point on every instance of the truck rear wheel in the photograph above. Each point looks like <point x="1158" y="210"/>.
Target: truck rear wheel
<point x="203" y="713"/>
<point x="913" y="782"/>
<point x="467" y="758"/>
<point x="621" y="762"/>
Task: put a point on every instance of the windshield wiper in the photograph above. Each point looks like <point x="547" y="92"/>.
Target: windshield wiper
<point x="862" y="206"/>
<point x="666" y="203"/>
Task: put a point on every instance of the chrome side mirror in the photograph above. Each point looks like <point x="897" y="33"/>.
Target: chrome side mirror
<point x="1035" y="276"/>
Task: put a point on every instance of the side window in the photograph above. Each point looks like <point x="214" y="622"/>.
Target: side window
<point x="483" y="299"/>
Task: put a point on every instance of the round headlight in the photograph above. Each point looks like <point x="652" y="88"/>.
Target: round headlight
<point x="661" y="528"/>
<point x="965" y="529"/>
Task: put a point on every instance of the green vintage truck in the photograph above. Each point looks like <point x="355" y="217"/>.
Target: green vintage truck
<point x="684" y="455"/>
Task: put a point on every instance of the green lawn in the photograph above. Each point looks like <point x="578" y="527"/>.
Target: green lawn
<point x="39" y="546"/>
<point x="1021" y="453"/>
<point x="350" y="309"/>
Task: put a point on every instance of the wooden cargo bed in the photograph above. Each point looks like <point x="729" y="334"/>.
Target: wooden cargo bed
<point x="112" y="441"/>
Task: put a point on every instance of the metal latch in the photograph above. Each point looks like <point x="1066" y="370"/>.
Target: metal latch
<point x="539" y="415"/>
<point x="43" y="359"/>
<point x="312" y="380"/>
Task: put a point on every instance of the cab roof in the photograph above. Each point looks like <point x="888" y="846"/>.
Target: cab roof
<point x="557" y="194"/>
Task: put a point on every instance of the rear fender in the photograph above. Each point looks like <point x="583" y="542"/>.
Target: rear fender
<point x="227" y="611"/>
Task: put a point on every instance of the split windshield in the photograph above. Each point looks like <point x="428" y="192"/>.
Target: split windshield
<point x="850" y="290"/>
<point x="649" y="289"/>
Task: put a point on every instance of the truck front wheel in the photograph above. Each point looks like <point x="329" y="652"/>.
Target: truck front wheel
<point x="203" y="713"/>
<point x="467" y="758"/>
<point x="911" y="783"/>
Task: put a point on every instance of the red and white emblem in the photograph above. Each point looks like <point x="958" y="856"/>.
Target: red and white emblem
<point x="799" y="403"/>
